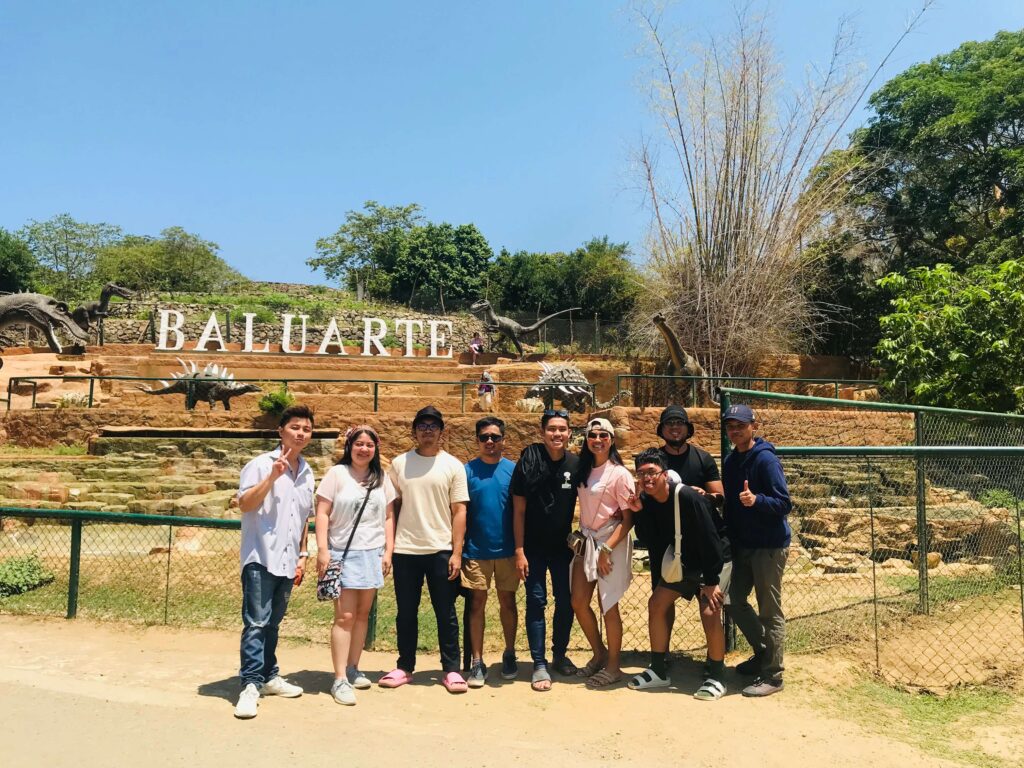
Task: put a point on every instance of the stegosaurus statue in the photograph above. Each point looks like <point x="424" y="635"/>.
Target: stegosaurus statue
<point x="212" y="384"/>
<point x="568" y="384"/>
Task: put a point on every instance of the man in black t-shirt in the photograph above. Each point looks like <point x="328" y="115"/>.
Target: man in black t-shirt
<point x="543" y="503"/>
<point x="706" y="568"/>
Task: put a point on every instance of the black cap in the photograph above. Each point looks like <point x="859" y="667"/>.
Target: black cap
<point x="674" y="413"/>
<point x="428" y="412"/>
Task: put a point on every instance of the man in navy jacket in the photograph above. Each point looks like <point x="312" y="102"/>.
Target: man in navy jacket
<point x="756" y="507"/>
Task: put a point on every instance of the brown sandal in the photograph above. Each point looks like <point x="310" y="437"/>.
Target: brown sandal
<point x="603" y="679"/>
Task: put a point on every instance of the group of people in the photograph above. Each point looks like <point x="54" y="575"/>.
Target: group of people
<point x="429" y="518"/>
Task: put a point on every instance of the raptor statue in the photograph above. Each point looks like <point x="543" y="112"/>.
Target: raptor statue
<point x="567" y="383"/>
<point x="45" y="314"/>
<point x="506" y="326"/>
<point x="90" y="312"/>
<point x="682" y="363"/>
<point x="212" y="384"/>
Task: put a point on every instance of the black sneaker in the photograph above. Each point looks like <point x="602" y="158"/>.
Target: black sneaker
<point x="751" y="666"/>
<point x="763" y="686"/>
<point x="509" y="665"/>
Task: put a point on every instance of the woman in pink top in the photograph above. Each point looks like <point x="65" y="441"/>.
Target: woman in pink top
<point x="604" y="487"/>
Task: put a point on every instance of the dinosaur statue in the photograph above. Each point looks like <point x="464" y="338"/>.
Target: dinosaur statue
<point x="567" y="383"/>
<point x="506" y="326"/>
<point x="45" y="314"/>
<point x="211" y="384"/>
<point x="682" y="363"/>
<point x="92" y="311"/>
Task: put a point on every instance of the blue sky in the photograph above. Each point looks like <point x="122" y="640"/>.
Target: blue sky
<point x="259" y="124"/>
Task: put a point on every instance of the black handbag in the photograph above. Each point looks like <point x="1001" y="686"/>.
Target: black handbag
<point x="329" y="587"/>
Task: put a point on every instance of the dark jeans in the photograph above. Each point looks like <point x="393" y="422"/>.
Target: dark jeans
<point x="760" y="570"/>
<point x="264" y="601"/>
<point x="541" y="563"/>
<point x="409" y="572"/>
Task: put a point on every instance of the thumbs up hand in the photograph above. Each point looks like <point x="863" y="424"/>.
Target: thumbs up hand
<point x="747" y="499"/>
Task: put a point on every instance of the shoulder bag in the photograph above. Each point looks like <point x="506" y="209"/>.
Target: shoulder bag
<point x="329" y="587"/>
<point x="672" y="561"/>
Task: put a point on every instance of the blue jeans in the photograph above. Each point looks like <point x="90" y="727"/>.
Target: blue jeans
<point x="264" y="601"/>
<point x="541" y="563"/>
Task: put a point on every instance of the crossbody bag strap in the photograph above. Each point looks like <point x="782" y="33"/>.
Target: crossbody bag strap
<point x="355" y="525"/>
<point x="679" y="531"/>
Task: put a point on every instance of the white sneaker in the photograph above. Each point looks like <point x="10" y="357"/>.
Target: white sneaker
<point x="278" y="686"/>
<point x="358" y="679"/>
<point x="248" y="701"/>
<point x="343" y="692"/>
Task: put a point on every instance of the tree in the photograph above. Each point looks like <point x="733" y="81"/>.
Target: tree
<point x="527" y="282"/>
<point x="364" y="250"/>
<point x="605" y="281"/>
<point x="66" y="251"/>
<point x="957" y="340"/>
<point x="734" y="202"/>
<point x="441" y="262"/>
<point x="177" y="261"/>
<point x="17" y="264"/>
<point x="936" y="175"/>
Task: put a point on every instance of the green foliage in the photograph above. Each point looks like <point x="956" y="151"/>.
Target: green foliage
<point x="935" y="177"/>
<point x="275" y="401"/>
<point x="66" y="251"/>
<point x="22" y="574"/>
<point x="999" y="497"/>
<point x="957" y="340"/>
<point x="442" y="265"/>
<point x="174" y="262"/>
<point x="598" y="277"/>
<point x="17" y="264"/>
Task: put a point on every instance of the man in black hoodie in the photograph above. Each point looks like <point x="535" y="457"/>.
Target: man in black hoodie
<point x="756" y="507"/>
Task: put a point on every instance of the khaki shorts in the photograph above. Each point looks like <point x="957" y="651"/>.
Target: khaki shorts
<point x="476" y="574"/>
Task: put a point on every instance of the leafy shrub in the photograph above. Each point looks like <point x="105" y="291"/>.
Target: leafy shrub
<point x="275" y="401"/>
<point x="998" y="497"/>
<point x="22" y="574"/>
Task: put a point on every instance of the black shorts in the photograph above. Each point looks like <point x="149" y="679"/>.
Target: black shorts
<point x="690" y="585"/>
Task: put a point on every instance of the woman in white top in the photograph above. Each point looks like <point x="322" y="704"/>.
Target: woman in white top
<point x="604" y="488"/>
<point x="355" y="483"/>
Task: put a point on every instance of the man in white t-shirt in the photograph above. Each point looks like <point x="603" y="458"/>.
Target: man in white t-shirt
<point x="429" y="532"/>
<point x="275" y="497"/>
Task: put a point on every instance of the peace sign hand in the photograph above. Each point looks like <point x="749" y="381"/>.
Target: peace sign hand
<point x="281" y="464"/>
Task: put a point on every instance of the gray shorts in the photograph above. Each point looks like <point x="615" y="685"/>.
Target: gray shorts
<point x="690" y="586"/>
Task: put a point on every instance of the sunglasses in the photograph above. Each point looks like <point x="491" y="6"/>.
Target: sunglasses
<point x="560" y="412"/>
<point x="428" y="427"/>
<point x="650" y="474"/>
<point x="490" y="438"/>
<point x="598" y="436"/>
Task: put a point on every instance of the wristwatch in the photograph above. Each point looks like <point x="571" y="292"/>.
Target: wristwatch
<point x="604" y="548"/>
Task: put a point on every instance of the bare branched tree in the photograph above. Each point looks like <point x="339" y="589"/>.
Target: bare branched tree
<point x="736" y="186"/>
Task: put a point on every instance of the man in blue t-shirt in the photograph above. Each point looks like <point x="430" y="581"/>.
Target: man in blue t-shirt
<point x="490" y="547"/>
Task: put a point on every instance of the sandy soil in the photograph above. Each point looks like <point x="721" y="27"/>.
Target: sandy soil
<point x="83" y="694"/>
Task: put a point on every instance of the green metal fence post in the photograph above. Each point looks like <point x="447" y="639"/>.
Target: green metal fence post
<point x="92" y="386"/>
<point x="376" y="393"/>
<point x="723" y="406"/>
<point x="227" y="325"/>
<point x="101" y="332"/>
<point x="462" y="395"/>
<point x="922" y="518"/>
<point x="9" y="392"/>
<point x="371" y="626"/>
<point x="1020" y="566"/>
<point x="75" y="567"/>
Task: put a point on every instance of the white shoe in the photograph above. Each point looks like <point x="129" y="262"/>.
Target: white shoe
<point x="248" y="701"/>
<point x="278" y="686"/>
<point x="343" y="692"/>
<point x="358" y="679"/>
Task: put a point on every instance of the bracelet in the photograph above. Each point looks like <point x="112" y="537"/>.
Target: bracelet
<point x="604" y="548"/>
<point x="303" y="554"/>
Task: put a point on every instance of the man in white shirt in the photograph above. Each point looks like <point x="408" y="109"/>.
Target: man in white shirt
<point x="429" y="532"/>
<point x="275" y="496"/>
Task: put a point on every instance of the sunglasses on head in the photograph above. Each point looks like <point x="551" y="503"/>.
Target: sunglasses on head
<point x="560" y="412"/>
<point x="489" y="438"/>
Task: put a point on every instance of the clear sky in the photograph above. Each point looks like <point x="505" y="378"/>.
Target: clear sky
<point x="259" y="124"/>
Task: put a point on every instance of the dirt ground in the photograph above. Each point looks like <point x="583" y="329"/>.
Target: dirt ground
<point x="84" y="694"/>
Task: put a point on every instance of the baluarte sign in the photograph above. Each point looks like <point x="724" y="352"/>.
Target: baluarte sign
<point x="171" y="335"/>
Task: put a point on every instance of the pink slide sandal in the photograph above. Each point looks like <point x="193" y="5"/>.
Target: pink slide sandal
<point x="395" y="679"/>
<point x="455" y="683"/>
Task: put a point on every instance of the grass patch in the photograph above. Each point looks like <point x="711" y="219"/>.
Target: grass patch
<point x="942" y="726"/>
<point x="77" y="449"/>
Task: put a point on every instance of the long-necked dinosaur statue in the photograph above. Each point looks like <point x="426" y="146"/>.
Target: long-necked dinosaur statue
<point x="681" y="362"/>
<point x="90" y="312"/>
<point x="45" y="314"/>
<point x="506" y="326"/>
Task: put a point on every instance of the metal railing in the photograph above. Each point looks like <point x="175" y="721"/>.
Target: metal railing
<point x="375" y="385"/>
